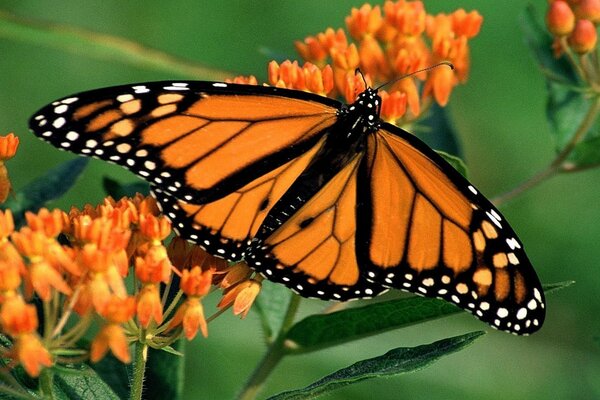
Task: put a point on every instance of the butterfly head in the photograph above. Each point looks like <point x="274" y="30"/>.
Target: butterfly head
<point x="368" y="105"/>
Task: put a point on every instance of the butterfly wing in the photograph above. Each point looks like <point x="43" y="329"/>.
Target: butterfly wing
<point x="422" y="227"/>
<point x="313" y="252"/>
<point x="194" y="140"/>
<point x="225" y="227"/>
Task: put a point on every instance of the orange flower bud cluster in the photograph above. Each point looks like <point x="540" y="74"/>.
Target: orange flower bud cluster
<point x="389" y="42"/>
<point x="309" y="77"/>
<point x="8" y="149"/>
<point x="575" y="21"/>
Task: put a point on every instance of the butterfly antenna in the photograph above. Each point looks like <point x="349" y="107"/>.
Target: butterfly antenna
<point x="359" y="72"/>
<point x="447" y="63"/>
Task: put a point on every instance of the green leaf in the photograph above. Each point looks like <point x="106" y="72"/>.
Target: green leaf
<point x="272" y="304"/>
<point x="436" y="130"/>
<point x="115" y="374"/>
<point x="80" y="382"/>
<point x="116" y="189"/>
<point x="171" y="350"/>
<point x="397" y="361"/>
<point x="565" y="110"/>
<point x="52" y="185"/>
<point x="585" y="154"/>
<point x="539" y="42"/>
<point x="164" y="373"/>
<point x="456" y="162"/>
<point x="325" y="330"/>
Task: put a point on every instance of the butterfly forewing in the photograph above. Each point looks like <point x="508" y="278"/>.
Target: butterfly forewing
<point x="422" y="227"/>
<point x="183" y="137"/>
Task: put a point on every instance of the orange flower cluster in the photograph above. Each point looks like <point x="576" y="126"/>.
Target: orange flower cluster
<point x="573" y="25"/>
<point x="8" y="148"/>
<point x="389" y="43"/>
<point x="76" y="264"/>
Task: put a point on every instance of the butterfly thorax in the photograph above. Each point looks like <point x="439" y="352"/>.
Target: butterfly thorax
<point x="362" y="116"/>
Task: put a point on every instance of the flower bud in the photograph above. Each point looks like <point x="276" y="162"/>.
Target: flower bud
<point x="590" y="10"/>
<point x="560" y="18"/>
<point x="583" y="38"/>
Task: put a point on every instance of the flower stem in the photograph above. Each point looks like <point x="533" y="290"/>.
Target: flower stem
<point x="535" y="180"/>
<point x="556" y="165"/>
<point x="139" y="368"/>
<point x="274" y="354"/>
<point x="46" y="383"/>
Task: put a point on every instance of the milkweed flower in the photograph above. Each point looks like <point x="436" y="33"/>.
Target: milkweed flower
<point x="81" y="278"/>
<point x="112" y="336"/>
<point x="19" y="320"/>
<point x="241" y="297"/>
<point x="386" y="43"/>
<point x="196" y="284"/>
<point x="8" y="149"/>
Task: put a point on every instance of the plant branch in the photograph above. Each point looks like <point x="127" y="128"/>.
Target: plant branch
<point x="555" y="166"/>
<point x="101" y="46"/>
<point x="274" y="354"/>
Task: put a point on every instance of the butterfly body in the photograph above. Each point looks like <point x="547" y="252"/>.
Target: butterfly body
<point x="320" y="196"/>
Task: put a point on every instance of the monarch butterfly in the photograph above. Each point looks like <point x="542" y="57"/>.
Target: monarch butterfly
<point x="320" y="196"/>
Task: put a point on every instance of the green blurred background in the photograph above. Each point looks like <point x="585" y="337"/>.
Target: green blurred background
<point x="500" y="120"/>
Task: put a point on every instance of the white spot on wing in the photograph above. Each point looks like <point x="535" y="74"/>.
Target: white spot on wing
<point x="140" y="89"/>
<point x="175" y="88"/>
<point x="513" y="243"/>
<point x="125" y="97"/>
<point x="61" y="108"/>
<point x="59" y="122"/>
<point x="502" y="312"/>
<point x="72" y="135"/>
<point x="70" y="100"/>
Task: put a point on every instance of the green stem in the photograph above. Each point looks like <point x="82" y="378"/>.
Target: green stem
<point x="569" y="54"/>
<point x="139" y="368"/>
<point x="45" y="380"/>
<point x="535" y="180"/>
<point x="173" y="303"/>
<point x="100" y="46"/>
<point x="275" y="353"/>
<point x="67" y="313"/>
<point x="556" y="165"/>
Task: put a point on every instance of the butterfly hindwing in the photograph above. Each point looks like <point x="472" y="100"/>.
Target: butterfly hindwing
<point x="225" y="227"/>
<point x="313" y="252"/>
